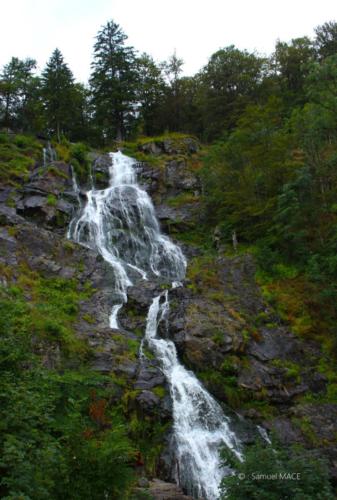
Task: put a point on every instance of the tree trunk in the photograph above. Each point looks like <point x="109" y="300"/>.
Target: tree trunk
<point x="58" y="132"/>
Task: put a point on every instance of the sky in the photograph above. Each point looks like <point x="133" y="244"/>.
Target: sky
<point x="194" y="28"/>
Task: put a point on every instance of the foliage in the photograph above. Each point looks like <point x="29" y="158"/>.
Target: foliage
<point x="229" y="82"/>
<point x="271" y="472"/>
<point x="18" y="154"/>
<point x="326" y="39"/>
<point x="113" y="82"/>
<point x="59" y="437"/>
<point x="17" y="93"/>
<point x="60" y="95"/>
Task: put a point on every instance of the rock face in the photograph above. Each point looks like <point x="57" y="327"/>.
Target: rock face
<point x="219" y="321"/>
<point x="33" y="223"/>
<point x="47" y="198"/>
<point x="248" y="359"/>
<point x="175" y="189"/>
<point x="167" y="146"/>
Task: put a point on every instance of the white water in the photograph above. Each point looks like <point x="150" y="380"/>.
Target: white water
<point x="120" y="223"/>
<point x="200" y="426"/>
<point x="49" y="154"/>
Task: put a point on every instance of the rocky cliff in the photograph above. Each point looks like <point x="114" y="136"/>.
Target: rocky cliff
<point x="222" y="325"/>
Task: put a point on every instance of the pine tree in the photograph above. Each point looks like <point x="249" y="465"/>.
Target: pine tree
<point x="113" y="82"/>
<point x="58" y="90"/>
<point x="16" y="88"/>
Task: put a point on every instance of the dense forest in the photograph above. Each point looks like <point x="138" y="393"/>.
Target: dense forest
<point x="268" y="170"/>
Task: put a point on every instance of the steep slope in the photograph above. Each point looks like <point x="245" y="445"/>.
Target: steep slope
<point x="221" y="324"/>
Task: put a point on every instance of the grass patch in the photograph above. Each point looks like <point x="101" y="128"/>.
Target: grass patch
<point x="182" y="199"/>
<point x="18" y="155"/>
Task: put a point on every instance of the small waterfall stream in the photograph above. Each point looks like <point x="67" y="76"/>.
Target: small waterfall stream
<point x="120" y="223"/>
<point x="49" y="154"/>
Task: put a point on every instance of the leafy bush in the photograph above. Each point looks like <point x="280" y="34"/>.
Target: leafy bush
<point x="272" y="473"/>
<point x="60" y="438"/>
<point x="78" y="159"/>
<point x="79" y="152"/>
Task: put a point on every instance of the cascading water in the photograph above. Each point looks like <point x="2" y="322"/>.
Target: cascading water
<point x="120" y="223"/>
<point x="49" y="154"/>
<point x="200" y="426"/>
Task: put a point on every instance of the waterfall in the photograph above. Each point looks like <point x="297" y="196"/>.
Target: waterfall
<point x="49" y="154"/>
<point x="200" y="426"/>
<point x="119" y="222"/>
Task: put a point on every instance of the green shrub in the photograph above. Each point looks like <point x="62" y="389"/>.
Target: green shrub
<point x="60" y="437"/>
<point x="79" y="152"/>
<point x="274" y="473"/>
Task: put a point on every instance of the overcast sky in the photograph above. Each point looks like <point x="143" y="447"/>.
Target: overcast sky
<point x="194" y="28"/>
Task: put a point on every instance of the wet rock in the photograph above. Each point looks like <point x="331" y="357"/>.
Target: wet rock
<point x="149" y="377"/>
<point x="9" y="217"/>
<point x="8" y="246"/>
<point x="41" y="210"/>
<point x="142" y="294"/>
<point x="272" y="380"/>
<point x="101" y="165"/>
<point x="148" y="401"/>
<point x="202" y="330"/>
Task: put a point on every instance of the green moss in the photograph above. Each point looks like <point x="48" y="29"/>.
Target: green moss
<point x="307" y="429"/>
<point x="51" y="200"/>
<point x="89" y="319"/>
<point x="292" y="370"/>
<point x="69" y="246"/>
<point x="133" y="346"/>
<point x="263" y="407"/>
<point x="218" y="336"/>
<point x="56" y="172"/>
<point x="120" y="381"/>
<point x="159" y="391"/>
<point x="148" y="354"/>
<point x="182" y="199"/>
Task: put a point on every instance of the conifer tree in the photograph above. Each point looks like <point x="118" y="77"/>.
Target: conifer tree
<point x="113" y="82"/>
<point x="58" y="89"/>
